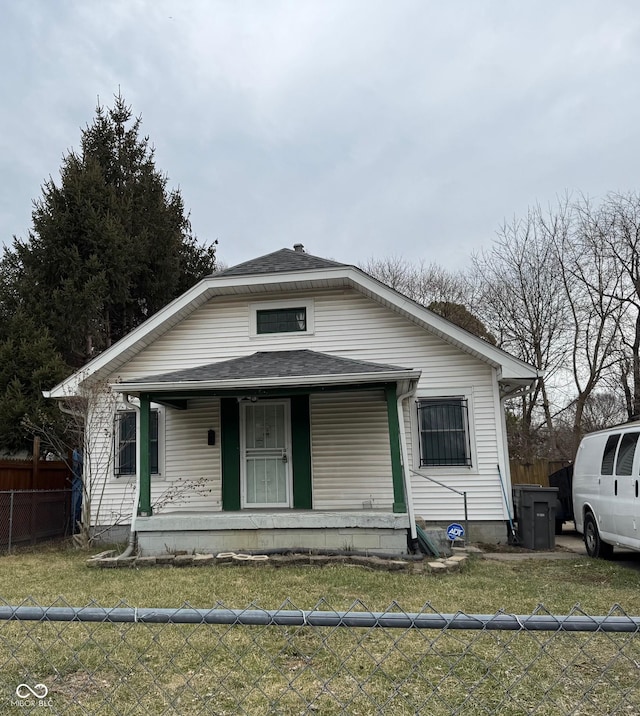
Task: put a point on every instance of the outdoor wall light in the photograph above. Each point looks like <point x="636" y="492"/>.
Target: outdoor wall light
<point x="211" y="437"/>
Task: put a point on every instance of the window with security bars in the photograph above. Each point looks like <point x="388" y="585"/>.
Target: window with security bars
<point x="125" y="439"/>
<point x="281" y="320"/>
<point x="443" y="424"/>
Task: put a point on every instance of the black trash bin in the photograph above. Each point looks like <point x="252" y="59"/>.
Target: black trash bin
<point x="535" y="514"/>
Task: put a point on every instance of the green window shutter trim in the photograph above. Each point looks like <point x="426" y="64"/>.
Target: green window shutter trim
<point x="301" y="452"/>
<point x="399" y="502"/>
<point x="230" y="450"/>
<point x="144" y="502"/>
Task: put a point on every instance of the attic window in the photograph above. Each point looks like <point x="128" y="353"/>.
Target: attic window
<point x="286" y="318"/>
<point x="281" y="320"/>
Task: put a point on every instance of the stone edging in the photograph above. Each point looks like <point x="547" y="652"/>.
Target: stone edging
<point x="106" y="560"/>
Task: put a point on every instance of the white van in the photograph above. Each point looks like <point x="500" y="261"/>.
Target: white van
<point x="606" y="506"/>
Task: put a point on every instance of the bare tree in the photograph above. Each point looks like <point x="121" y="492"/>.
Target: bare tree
<point x="560" y="289"/>
<point x="618" y="229"/>
<point x="90" y="430"/>
<point x="449" y="294"/>
<point x="423" y="283"/>
<point x="593" y="281"/>
<point x="523" y="304"/>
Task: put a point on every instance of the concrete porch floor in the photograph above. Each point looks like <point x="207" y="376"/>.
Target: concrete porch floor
<point x="273" y="519"/>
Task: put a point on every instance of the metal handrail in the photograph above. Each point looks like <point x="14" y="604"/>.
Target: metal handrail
<point x="452" y="489"/>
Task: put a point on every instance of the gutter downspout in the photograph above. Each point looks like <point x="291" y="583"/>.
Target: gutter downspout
<point x="504" y="470"/>
<point x="405" y="462"/>
<point x="136" y="497"/>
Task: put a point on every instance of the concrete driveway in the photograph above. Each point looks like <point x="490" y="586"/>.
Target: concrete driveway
<point x="569" y="545"/>
<point x="571" y="541"/>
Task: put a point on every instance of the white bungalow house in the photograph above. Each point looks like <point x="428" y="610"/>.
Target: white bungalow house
<point x="292" y="401"/>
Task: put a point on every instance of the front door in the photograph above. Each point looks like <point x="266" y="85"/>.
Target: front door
<point x="265" y="437"/>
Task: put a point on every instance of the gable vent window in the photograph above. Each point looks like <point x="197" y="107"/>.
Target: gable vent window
<point x="281" y="320"/>
<point x="444" y="432"/>
<point x="125" y="447"/>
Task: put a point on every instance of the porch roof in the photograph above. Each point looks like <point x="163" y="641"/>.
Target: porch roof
<point x="270" y="369"/>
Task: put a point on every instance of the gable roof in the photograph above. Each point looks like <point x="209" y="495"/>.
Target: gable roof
<point x="294" y="270"/>
<point x="278" y="261"/>
<point x="270" y="368"/>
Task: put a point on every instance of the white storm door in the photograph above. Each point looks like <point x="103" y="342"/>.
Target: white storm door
<point x="265" y="459"/>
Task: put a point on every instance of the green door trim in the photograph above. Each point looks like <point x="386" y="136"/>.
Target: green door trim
<point x="301" y="452"/>
<point x="230" y="452"/>
<point x="144" y="501"/>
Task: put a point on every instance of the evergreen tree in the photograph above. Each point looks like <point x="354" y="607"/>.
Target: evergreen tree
<point x="110" y="244"/>
<point x="29" y="364"/>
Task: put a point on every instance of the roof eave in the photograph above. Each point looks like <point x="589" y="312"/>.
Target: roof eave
<point x="211" y="286"/>
<point x="194" y="386"/>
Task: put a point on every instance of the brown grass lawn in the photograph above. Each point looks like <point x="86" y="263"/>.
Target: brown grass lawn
<point x="56" y="569"/>
<point x="199" y="669"/>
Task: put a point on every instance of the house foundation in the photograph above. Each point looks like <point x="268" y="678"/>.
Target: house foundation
<point x="384" y="533"/>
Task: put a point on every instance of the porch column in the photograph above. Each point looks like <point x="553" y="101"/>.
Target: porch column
<point x="230" y="452"/>
<point x="144" y="504"/>
<point x="301" y="452"/>
<point x="399" y="500"/>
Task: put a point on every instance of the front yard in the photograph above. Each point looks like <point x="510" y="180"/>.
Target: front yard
<point x="128" y="668"/>
<point x="483" y="586"/>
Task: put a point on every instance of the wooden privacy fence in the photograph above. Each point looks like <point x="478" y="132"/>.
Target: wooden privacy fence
<point x="534" y="473"/>
<point x="34" y="475"/>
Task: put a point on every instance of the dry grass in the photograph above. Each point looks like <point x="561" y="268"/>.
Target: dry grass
<point x="191" y="669"/>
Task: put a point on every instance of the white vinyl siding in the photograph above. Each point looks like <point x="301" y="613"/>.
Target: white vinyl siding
<point x="190" y="458"/>
<point x="351" y="325"/>
<point x="192" y="468"/>
<point x="350" y="448"/>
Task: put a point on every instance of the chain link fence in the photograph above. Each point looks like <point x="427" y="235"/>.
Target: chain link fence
<point x="29" y="516"/>
<point x="61" y="659"/>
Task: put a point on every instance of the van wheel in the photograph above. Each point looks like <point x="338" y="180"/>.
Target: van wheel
<point x="595" y="546"/>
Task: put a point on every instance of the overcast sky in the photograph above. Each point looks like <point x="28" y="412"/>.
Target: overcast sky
<point x="357" y="127"/>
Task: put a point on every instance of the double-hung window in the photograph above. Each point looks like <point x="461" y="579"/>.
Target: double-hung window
<point x="125" y="443"/>
<point x="443" y="425"/>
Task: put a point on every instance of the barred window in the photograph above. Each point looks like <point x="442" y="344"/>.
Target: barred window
<point x="444" y="432"/>
<point x="125" y="439"/>
<point x="281" y="320"/>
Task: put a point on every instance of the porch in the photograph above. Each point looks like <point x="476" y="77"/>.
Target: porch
<point x="371" y="530"/>
<point x="305" y="452"/>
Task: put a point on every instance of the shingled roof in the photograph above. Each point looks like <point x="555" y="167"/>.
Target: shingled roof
<point x="271" y="364"/>
<point x="282" y="260"/>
